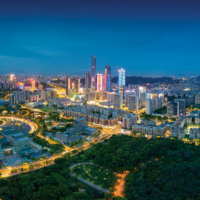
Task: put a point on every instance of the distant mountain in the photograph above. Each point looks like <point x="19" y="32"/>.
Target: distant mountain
<point x="142" y="80"/>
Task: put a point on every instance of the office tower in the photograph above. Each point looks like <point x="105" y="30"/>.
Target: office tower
<point x="99" y="82"/>
<point x="197" y="98"/>
<point x="12" y="77"/>
<point x="42" y="94"/>
<point x="103" y="96"/>
<point x="142" y="89"/>
<point x="172" y="108"/>
<point x="27" y="93"/>
<point x="72" y="84"/>
<point x="157" y="103"/>
<point x="127" y="94"/>
<point x="117" y="100"/>
<point x="85" y="91"/>
<point x="12" y="99"/>
<point x="121" y="80"/>
<point x="107" y="80"/>
<point x="19" y="96"/>
<point x="53" y="94"/>
<point x="33" y="84"/>
<point x="90" y="96"/>
<point x="151" y="95"/>
<point x="97" y="96"/>
<point x="93" y="72"/>
<point x="133" y="103"/>
<point x="182" y="106"/>
<point x="162" y="96"/>
<point x="122" y="90"/>
<point x="143" y="99"/>
<point x="149" y="106"/>
<point x="110" y="96"/>
<point x="87" y="79"/>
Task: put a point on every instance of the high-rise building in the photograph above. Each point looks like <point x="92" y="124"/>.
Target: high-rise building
<point x="72" y="84"/>
<point x="117" y="100"/>
<point x="149" y="106"/>
<point x="172" y="108"/>
<point x="122" y="90"/>
<point x="87" y="79"/>
<point x="127" y="94"/>
<point x="90" y="96"/>
<point x="129" y="120"/>
<point x="19" y="96"/>
<point x="110" y="96"/>
<point x="153" y="102"/>
<point x="107" y="80"/>
<point x="103" y="96"/>
<point x="33" y="84"/>
<point x="12" y="99"/>
<point x="121" y="80"/>
<point x="143" y="99"/>
<point x="93" y="71"/>
<point x="141" y="89"/>
<point x="197" y="98"/>
<point x="182" y="106"/>
<point x="133" y="103"/>
<point x="12" y="77"/>
<point x="176" y="108"/>
<point x="99" y="82"/>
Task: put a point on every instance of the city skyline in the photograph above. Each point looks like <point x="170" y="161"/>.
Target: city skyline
<point x="160" y="38"/>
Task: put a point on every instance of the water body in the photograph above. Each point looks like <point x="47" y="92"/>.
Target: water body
<point x="15" y="126"/>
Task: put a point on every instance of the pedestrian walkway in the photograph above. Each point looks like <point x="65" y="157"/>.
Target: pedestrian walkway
<point x="88" y="182"/>
<point x="91" y="184"/>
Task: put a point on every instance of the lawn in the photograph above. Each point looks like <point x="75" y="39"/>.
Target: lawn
<point x="96" y="174"/>
<point x="48" y="109"/>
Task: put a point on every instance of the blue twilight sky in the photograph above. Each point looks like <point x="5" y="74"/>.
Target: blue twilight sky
<point x="146" y="37"/>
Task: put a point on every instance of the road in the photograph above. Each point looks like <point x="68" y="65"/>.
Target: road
<point x="91" y="184"/>
<point x="119" y="188"/>
<point x="107" y="132"/>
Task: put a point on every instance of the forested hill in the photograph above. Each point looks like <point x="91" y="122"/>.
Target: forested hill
<point x="143" y="80"/>
<point x="158" y="168"/>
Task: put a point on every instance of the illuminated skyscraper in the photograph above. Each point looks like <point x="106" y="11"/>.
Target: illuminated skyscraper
<point x="121" y="80"/>
<point x="12" y="77"/>
<point x="93" y="71"/>
<point x="107" y="80"/>
<point x="87" y="79"/>
<point x="72" y="84"/>
<point x="33" y="84"/>
<point x="99" y="82"/>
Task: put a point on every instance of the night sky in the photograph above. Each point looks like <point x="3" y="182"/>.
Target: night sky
<point x="146" y="38"/>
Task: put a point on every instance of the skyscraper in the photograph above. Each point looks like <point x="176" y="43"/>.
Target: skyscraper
<point x="121" y="79"/>
<point x="133" y="103"/>
<point x="93" y="71"/>
<point x="12" y="77"/>
<point x="107" y="81"/>
<point x="182" y="106"/>
<point x="87" y="79"/>
<point x="99" y="82"/>
<point x="72" y="84"/>
<point x="197" y="98"/>
<point x="117" y="101"/>
<point x="12" y="99"/>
